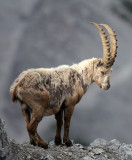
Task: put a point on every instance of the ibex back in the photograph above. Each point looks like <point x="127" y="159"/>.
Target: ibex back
<point x="44" y="92"/>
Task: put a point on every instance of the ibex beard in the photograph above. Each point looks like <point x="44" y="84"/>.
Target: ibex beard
<point x="47" y="91"/>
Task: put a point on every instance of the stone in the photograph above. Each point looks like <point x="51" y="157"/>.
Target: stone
<point x="99" y="143"/>
<point x="69" y="153"/>
<point x="4" y="144"/>
<point x="29" y="157"/>
<point x="99" y="149"/>
<point x="87" y="158"/>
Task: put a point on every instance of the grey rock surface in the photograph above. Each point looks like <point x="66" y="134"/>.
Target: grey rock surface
<point x="4" y="144"/>
<point x="99" y="149"/>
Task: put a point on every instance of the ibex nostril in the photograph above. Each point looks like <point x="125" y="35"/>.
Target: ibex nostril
<point x="108" y="86"/>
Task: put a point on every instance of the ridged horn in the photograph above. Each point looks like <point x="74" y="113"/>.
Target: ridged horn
<point x="113" y="43"/>
<point x="105" y="44"/>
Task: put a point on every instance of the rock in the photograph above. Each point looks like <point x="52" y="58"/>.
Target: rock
<point x="99" y="149"/>
<point x="47" y="157"/>
<point x="98" y="142"/>
<point x="29" y="157"/>
<point x="87" y="158"/>
<point x="114" y="144"/>
<point x="4" y="144"/>
<point x="69" y="153"/>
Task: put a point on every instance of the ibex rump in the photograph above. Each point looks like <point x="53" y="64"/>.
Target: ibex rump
<point x="43" y="92"/>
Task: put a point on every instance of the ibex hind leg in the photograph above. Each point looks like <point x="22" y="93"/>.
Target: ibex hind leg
<point x="32" y="120"/>
<point x="37" y="102"/>
<point x="26" y="111"/>
<point x="36" y="117"/>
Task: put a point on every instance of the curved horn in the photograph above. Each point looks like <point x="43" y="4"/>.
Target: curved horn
<point x="105" y="44"/>
<point x="113" y="43"/>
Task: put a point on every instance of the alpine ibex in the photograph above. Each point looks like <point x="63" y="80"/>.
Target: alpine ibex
<point x="47" y="91"/>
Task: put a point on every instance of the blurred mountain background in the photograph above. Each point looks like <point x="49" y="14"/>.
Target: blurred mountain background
<point x="48" y="33"/>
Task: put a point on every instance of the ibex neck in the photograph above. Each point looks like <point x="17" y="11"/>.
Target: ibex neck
<point x="86" y="70"/>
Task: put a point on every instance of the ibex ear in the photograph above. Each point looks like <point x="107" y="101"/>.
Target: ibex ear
<point x="99" y="63"/>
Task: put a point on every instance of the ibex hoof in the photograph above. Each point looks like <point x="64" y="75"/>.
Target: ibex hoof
<point x="68" y="143"/>
<point x="43" y="144"/>
<point x="57" y="141"/>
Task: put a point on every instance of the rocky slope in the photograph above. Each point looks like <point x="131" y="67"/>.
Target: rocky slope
<point x="100" y="149"/>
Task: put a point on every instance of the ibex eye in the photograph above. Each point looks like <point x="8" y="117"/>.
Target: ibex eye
<point x="102" y="72"/>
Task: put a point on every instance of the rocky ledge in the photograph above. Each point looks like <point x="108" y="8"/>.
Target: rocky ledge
<point x="100" y="149"/>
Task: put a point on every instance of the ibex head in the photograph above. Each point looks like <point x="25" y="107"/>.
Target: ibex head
<point x="102" y="67"/>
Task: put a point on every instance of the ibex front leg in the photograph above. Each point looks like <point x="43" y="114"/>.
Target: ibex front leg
<point x="59" y="123"/>
<point x="67" y="118"/>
